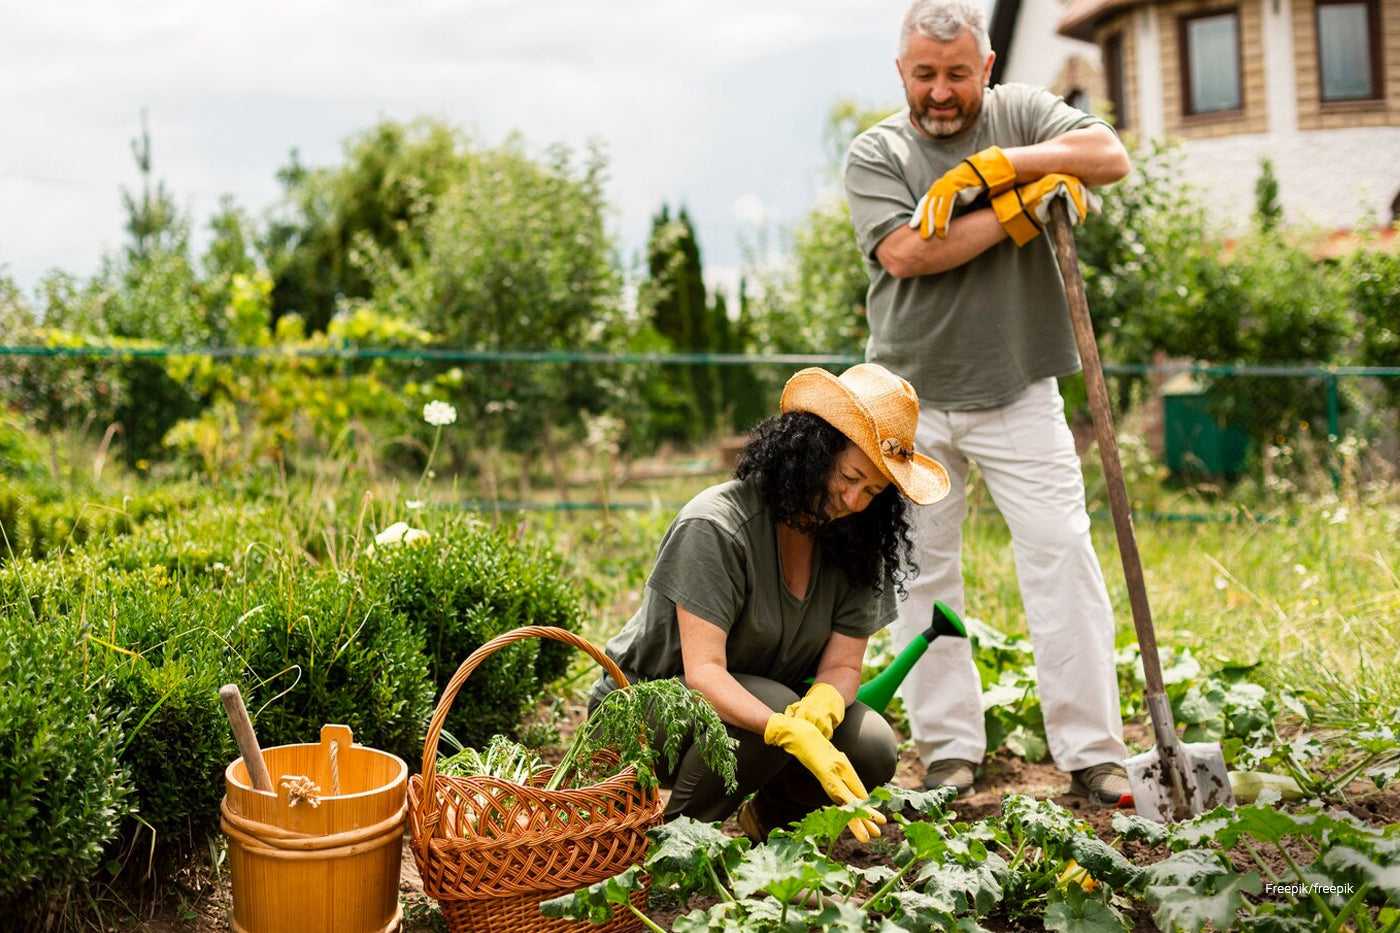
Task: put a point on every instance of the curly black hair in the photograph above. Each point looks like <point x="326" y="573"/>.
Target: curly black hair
<point x="792" y="456"/>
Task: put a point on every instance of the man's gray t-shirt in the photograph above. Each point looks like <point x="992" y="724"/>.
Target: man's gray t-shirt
<point x="719" y="560"/>
<point x="974" y="336"/>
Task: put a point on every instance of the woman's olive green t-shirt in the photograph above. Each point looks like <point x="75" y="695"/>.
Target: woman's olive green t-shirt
<point x="719" y="560"/>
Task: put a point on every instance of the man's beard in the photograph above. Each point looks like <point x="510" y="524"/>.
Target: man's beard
<point x="943" y="127"/>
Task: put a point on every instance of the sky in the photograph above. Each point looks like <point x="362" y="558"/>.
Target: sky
<point x="715" y="105"/>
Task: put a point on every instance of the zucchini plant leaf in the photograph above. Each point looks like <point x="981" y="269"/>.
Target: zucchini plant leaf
<point x="1382" y="873"/>
<point x="977" y="888"/>
<point x="1078" y="913"/>
<point x="596" y="902"/>
<point x="1105" y="863"/>
<point x="787" y="866"/>
<point x="683" y="850"/>
<point x="1195" y="887"/>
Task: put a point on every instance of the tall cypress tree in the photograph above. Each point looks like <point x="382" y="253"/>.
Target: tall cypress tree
<point x="675" y="297"/>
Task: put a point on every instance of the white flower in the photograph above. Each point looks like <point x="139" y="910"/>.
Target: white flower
<point x="439" y="414"/>
<point x="393" y="534"/>
<point x="400" y="532"/>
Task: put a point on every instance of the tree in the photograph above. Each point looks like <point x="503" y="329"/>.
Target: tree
<point x="673" y="298"/>
<point x="381" y="200"/>
<point x="514" y="255"/>
<point x="815" y="302"/>
<point x="1268" y="210"/>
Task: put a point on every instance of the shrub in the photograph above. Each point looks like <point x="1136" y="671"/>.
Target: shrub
<point x="20" y="455"/>
<point x="166" y="657"/>
<point x="330" y="648"/>
<point x="63" y="787"/>
<point x="463" y="587"/>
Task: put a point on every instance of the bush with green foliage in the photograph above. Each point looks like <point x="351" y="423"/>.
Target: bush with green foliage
<point x="464" y="586"/>
<point x="166" y="655"/>
<point x="64" y="789"/>
<point x="322" y="647"/>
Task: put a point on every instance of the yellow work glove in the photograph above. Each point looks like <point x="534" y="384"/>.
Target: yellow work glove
<point x="823" y="706"/>
<point x="1025" y="211"/>
<point x="832" y="768"/>
<point x="989" y="170"/>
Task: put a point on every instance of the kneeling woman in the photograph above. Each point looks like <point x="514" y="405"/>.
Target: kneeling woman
<point x="777" y="578"/>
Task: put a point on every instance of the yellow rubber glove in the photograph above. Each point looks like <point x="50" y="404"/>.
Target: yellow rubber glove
<point x="823" y="706"/>
<point x="1025" y="211"/>
<point x="832" y="768"/>
<point x="989" y="170"/>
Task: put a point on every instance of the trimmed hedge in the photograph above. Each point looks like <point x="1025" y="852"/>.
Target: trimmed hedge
<point x="112" y="654"/>
<point x="467" y="584"/>
<point x="63" y="787"/>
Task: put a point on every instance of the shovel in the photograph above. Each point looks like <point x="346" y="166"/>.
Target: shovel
<point x="1173" y="780"/>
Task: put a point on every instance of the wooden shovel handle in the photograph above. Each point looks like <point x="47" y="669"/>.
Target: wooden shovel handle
<point x="1062" y="234"/>
<point x="247" y="739"/>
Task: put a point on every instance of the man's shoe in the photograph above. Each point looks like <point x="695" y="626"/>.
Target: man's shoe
<point x="750" y="822"/>
<point x="950" y="772"/>
<point x="1104" y="785"/>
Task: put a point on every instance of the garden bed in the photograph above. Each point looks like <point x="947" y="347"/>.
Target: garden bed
<point x="202" y="906"/>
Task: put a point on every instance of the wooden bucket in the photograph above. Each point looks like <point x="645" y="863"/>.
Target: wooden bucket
<point x="317" y="862"/>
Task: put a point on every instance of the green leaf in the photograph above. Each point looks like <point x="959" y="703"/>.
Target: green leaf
<point x="930" y="803"/>
<point x="1133" y="827"/>
<point x="1080" y="914"/>
<point x="924" y="841"/>
<point x="920" y="911"/>
<point x="1103" y="862"/>
<point x="788" y="866"/>
<point x="682" y="851"/>
<point x="1193" y="888"/>
<point x="1043" y="822"/>
<point x="975" y="887"/>
<point x="1027" y="744"/>
<point x="826" y="824"/>
<point x="596" y="902"/>
<point x="1384" y="874"/>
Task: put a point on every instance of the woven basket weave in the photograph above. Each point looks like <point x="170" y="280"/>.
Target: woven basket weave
<point x="489" y="850"/>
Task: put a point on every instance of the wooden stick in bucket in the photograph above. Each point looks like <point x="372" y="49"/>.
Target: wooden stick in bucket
<point x="247" y="739"/>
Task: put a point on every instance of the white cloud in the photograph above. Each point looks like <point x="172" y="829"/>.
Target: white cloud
<point x="718" y="106"/>
<point x="749" y="208"/>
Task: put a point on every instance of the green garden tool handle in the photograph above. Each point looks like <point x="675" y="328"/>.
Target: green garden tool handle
<point x="879" y="690"/>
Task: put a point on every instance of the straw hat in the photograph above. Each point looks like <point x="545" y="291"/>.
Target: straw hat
<point x="879" y="412"/>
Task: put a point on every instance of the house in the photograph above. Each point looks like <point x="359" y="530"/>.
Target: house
<point x="1311" y="85"/>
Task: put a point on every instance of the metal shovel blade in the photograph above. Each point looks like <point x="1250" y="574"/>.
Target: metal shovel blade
<point x="1207" y="785"/>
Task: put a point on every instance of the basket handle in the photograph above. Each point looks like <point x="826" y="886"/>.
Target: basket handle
<point x="449" y="693"/>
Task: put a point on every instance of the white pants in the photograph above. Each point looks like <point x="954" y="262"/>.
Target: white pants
<point x="1026" y="454"/>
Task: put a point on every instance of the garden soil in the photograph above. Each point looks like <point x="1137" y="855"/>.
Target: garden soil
<point x="202" y="905"/>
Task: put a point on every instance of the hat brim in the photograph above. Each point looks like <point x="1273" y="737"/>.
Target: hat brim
<point x="921" y="479"/>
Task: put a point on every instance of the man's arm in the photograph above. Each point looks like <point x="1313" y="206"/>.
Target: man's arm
<point x="1093" y="153"/>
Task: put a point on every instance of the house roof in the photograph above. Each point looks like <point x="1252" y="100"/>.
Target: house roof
<point x="1081" y="16"/>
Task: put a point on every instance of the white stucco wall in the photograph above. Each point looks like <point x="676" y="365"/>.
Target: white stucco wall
<point x="1331" y="179"/>
<point x="1039" y="51"/>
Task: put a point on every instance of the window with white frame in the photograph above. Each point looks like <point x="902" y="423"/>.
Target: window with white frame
<point x="1210" y="48"/>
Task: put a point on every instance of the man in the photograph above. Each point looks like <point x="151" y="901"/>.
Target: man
<point x="966" y="302"/>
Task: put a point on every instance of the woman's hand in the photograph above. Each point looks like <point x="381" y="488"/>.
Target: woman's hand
<point x="823" y="706"/>
<point x="832" y="768"/>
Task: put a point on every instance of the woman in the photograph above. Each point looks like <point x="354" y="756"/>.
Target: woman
<point x="777" y="578"/>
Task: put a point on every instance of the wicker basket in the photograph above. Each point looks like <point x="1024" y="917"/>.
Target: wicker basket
<point x="489" y="851"/>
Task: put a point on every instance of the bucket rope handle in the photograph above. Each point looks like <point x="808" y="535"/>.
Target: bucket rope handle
<point x="449" y="693"/>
